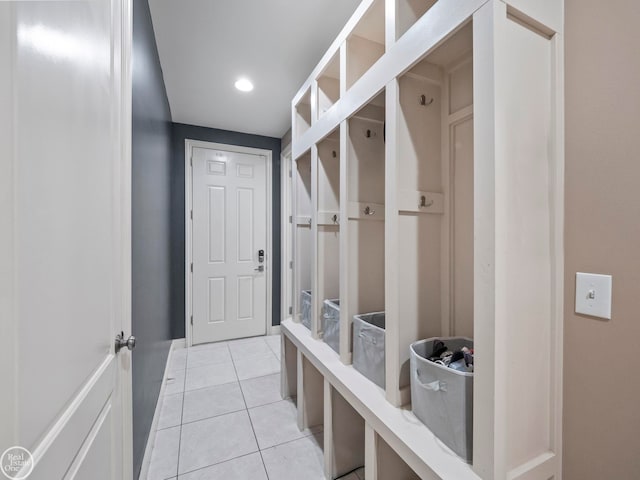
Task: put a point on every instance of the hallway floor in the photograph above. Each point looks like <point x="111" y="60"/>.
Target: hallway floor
<point x="222" y="417"/>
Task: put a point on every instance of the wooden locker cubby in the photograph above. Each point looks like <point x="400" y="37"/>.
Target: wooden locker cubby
<point x="303" y="231"/>
<point x="328" y="220"/>
<point x="363" y="213"/>
<point x="329" y="87"/>
<point x="302" y="115"/>
<point x="366" y="43"/>
<point x="430" y="228"/>
<point x="408" y="12"/>
<point x="449" y="128"/>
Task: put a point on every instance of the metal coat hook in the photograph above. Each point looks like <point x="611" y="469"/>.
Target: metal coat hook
<point x="334" y="218"/>
<point x="423" y="202"/>
<point x="369" y="211"/>
<point x="334" y="154"/>
<point x="423" y="101"/>
<point x="368" y="133"/>
<point x="309" y="222"/>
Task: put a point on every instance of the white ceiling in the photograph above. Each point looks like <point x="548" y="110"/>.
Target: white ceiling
<point x="205" y="45"/>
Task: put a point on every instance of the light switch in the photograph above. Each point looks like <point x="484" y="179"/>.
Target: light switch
<point x="593" y="294"/>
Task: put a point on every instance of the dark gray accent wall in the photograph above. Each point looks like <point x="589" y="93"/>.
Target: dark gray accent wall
<point x="151" y="183"/>
<point x="182" y="132"/>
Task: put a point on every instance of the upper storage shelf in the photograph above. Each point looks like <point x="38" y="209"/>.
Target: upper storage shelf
<point x="366" y="43"/>
<point x="408" y="12"/>
<point x="329" y="85"/>
<point x="302" y="115"/>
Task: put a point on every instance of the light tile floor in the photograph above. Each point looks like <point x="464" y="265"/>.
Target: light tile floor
<point x="222" y="417"/>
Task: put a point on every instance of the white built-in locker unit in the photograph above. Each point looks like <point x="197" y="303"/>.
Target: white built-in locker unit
<point x="428" y="183"/>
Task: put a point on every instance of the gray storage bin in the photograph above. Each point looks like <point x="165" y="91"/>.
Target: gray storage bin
<point x="331" y="324"/>
<point x="441" y="397"/>
<point x="305" y="308"/>
<point x="368" y="346"/>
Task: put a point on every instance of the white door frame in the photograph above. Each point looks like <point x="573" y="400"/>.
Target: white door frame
<point x="189" y="145"/>
<point x="286" y="253"/>
<point x="125" y="195"/>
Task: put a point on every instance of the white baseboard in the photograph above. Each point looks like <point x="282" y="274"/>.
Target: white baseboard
<point x="146" y="460"/>
<point x="274" y="330"/>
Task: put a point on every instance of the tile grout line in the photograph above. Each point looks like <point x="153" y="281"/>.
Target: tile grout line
<point x="184" y="392"/>
<point x="246" y="407"/>
<point x="294" y="440"/>
<point x="182" y="414"/>
<point x="217" y="463"/>
<point x="225" y="383"/>
<point x="220" y="414"/>
<point x="274" y="352"/>
<point x="248" y="415"/>
<point x="228" y="413"/>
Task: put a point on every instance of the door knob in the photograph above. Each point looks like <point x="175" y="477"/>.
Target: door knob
<point x="259" y="269"/>
<point x="121" y="343"/>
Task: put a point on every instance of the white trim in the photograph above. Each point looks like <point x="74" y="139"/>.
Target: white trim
<point x="125" y="375"/>
<point x="286" y="234"/>
<point x="275" y="330"/>
<point x="189" y="144"/>
<point x="151" y="439"/>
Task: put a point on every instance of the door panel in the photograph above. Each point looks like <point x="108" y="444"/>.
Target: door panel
<point x="218" y="224"/>
<point x="229" y="228"/>
<point x="217" y="298"/>
<point x="245" y="222"/>
<point x="245" y="297"/>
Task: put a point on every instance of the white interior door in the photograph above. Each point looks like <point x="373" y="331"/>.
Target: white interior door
<point x="64" y="239"/>
<point x="229" y="234"/>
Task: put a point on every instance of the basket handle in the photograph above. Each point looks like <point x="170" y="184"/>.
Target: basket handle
<point x="435" y="386"/>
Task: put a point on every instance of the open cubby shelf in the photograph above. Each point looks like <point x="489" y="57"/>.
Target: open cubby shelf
<point x="365" y="45"/>
<point x="329" y="85"/>
<point x="328" y="224"/>
<point x="302" y="230"/>
<point x="428" y="184"/>
<point x="302" y="115"/>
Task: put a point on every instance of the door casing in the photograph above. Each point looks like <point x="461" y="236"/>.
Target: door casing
<point x="286" y="271"/>
<point x="188" y="227"/>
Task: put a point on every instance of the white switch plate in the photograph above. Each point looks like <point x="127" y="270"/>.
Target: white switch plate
<point x="593" y="294"/>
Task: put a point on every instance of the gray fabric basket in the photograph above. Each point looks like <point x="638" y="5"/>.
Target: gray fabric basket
<point x="305" y="308"/>
<point x="331" y="324"/>
<point x="368" y="346"/>
<point x="441" y="397"/>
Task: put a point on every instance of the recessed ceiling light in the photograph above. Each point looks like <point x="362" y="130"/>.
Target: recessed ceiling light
<point x="244" y="85"/>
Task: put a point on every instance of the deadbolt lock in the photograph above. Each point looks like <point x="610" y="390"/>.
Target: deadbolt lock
<point x="261" y="256"/>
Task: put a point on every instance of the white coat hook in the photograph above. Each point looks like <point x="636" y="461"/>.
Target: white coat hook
<point x="424" y="102"/>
